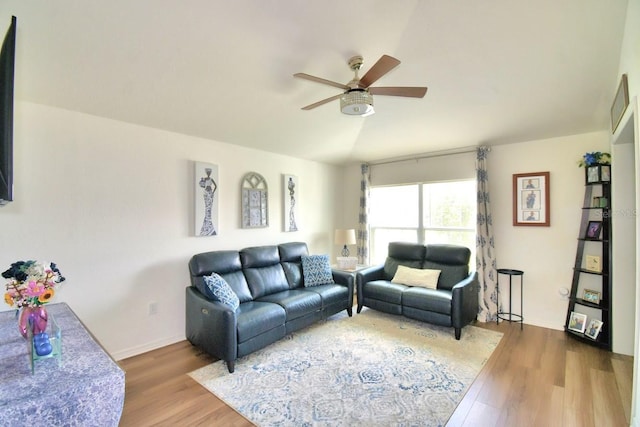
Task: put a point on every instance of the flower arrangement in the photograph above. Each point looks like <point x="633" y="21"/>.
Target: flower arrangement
<point x="594" y="158"/>
<point x="31" y="283"/>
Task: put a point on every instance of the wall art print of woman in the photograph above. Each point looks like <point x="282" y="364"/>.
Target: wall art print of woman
<point x="206" y="200"/>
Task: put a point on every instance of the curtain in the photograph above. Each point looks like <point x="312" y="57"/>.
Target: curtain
<point x="363" y="217"/>
<point x="485" y="244"/>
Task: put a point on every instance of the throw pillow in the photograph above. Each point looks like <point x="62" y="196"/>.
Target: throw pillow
<point x="219" y="290"/>
<point x="424" y="278"/>
<point x="316" y="270"/>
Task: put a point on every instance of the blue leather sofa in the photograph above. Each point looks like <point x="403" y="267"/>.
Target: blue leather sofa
<point x="453" y="303"/>
<point x="274" y="302"/>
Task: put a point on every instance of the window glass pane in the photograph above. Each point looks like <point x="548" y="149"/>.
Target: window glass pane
<point x="450" y="205"/>
<point x="381" y="237"/>
<point x="395" y="206"/>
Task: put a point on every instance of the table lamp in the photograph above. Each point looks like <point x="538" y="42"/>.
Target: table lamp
<point x="344" y="238"/>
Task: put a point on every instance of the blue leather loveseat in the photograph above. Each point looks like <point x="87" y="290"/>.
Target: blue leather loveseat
<point x="273" y="299"/>
<point x="452" y="299"/>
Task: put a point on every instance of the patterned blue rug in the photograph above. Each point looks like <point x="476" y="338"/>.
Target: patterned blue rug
<point x="369" y="370"/>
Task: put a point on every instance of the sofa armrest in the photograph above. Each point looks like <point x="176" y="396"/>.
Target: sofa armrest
<point x="368" y="274"/>
<point x="464" y="301"/>
<point x="211" y="325"/>
<point x="343" y="278"/>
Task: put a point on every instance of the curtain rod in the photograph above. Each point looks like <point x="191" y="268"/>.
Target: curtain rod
<point x="462" y="150"/>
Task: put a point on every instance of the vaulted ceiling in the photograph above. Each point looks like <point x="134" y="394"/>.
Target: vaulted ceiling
<point x="498" y="71"/>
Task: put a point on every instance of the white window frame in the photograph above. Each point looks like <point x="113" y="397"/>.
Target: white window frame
<point x="421" y="230"/>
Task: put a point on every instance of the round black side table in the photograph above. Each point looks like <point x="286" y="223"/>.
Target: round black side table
<point x="510" y="315"/>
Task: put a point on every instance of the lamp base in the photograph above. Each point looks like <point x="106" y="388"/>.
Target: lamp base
<point x="345" y="251"/>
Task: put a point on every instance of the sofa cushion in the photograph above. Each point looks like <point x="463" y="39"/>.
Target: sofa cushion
<point x="291" y="259"/>
<point x="217" y="289"/>
<point x="450" y="275"/>
<point x="316" y="270"/>
<point x="296" y="302"/>
<point x="262" y="269"/>
<point x="384" y="290"/>
<point x="255" y="318"/>
<point x="453" y="260"/>
<point x="422" y="277"/>
<point x="293" y="251"/>
<point x="226" y="264"/>
<point x="330" y="293"/>
<point x="438" y="301"/>
<point x="401" y="253"/>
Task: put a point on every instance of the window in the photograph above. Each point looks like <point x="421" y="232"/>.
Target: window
<point x="443" y="212"/>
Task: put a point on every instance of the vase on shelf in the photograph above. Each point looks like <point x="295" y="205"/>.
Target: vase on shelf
<point x="33" y="319"/>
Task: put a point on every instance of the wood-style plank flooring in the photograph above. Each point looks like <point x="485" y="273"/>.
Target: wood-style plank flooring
<point x="536" y="377"/>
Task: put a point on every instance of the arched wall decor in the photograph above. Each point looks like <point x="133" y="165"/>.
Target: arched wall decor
<point x="255" y="201"/>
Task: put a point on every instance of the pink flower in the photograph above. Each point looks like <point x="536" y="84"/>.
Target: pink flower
<point x="34" y="289"/>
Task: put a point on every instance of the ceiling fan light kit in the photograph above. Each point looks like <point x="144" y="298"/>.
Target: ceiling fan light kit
<point x="357" y="98"/>
<point x="357" y="102"/>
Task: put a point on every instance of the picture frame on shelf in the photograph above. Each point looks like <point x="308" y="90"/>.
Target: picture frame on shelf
<point x="593" y="174"/>
<point x="577" y="322"/>
<point x="593" y="330"/>
<point x="593" y="263"/>
<point x="591" y="296"/>
<point x="593" y="230"/>
<point x="603" y="202"/>
<point x="531" y="205"/>
<point x="605" y="173"/>
<point x="620" y="103"/>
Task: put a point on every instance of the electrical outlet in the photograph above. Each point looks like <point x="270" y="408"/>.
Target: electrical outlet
<point x="153" y="308"/>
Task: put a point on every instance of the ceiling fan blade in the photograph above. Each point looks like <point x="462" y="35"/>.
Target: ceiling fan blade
<point x="321" y="80"/>
<point x="385" y="64"/>
<point x="411" y="92"/>
<point x="319" y="103"/>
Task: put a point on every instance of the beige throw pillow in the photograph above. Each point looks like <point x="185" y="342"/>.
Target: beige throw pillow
<point x="424" y="278"/>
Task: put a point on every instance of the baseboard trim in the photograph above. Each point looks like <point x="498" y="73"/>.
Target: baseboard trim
<point x="143" y="348"/>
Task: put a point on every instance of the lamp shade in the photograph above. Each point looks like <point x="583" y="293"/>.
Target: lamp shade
<point x="345" y="237"/>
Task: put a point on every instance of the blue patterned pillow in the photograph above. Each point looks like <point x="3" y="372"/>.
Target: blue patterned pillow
<point x="316" y="270"/>
<point x="219" y="290"/>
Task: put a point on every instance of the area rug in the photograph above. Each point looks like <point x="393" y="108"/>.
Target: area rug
<point x="369" y="369"/>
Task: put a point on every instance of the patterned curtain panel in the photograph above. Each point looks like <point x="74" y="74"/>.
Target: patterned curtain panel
<point x="485" y="244"/>
<point x="363" y="218"/>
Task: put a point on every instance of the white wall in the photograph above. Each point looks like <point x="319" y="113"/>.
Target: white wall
<point x="545" y="254"/>
<point x="630" y="64"/>
<point x="112" y="204"/>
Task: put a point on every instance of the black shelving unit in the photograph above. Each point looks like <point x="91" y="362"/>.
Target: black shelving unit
<point x="602" y="245"/>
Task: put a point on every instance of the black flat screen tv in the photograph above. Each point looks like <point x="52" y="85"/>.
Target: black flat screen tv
<point x="7" y="67"/>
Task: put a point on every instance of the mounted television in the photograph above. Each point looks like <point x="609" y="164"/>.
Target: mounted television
<point x="7" y="66"/>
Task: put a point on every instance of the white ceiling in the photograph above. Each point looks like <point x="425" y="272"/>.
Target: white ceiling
<point x="498" y="71"/>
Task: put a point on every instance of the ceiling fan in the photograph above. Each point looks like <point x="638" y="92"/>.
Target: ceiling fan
<point x="357" y="98"/>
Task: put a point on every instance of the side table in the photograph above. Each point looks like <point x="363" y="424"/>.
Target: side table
<point x="509" y="315"/>
<point x="85" y="389"/>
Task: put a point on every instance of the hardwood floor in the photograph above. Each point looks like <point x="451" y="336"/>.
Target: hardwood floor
<point x="536" y="377"/>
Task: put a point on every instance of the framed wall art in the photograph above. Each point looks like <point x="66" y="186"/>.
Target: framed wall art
<point x="620" y="103"/>
<point x="255" y="201"/>
<point x="291" y="193"/>
<point x="206" y="199"/>
<point x="531" y="199"/>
